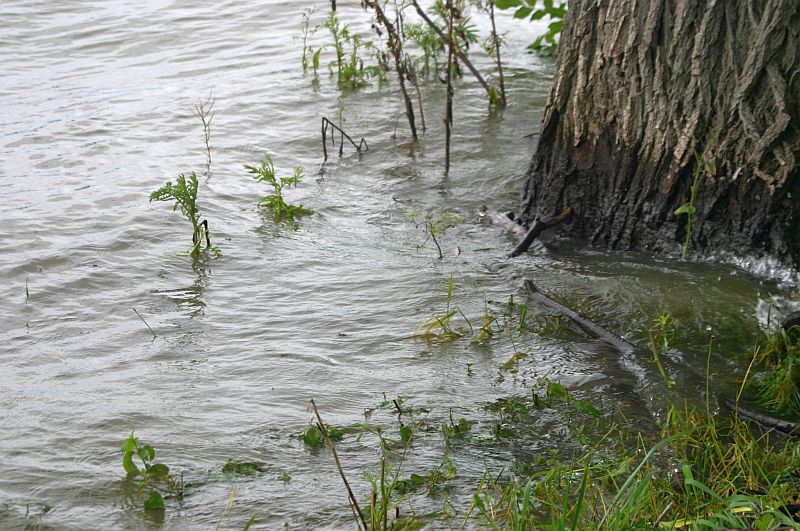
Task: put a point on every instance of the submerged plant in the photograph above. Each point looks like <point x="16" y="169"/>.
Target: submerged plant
<point x="265" y="173"/>
<point x="442" y="322"/>
<point x="184" y="193"/>
<point x="434" y="227"/>
<point x="155" y="478"/>
<point x="778" y="386"/>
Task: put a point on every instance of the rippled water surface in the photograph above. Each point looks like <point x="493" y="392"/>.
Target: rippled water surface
<point x="97" y="112"/>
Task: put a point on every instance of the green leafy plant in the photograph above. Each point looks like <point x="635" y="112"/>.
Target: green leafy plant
<point x="155" y="478"/>
<point x="308" y="53"/>
<point x="348" y="65"/>
<point x="702" y="166"/>
<point x="265" y="173"/>
<point x="185" y="196"/>
<point x="534" y="10"/>
<point x="434" y="227"/>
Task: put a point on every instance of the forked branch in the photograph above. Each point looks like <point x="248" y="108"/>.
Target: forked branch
<point x="361" y="146"/>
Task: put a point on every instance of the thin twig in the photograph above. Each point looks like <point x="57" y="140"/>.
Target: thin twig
<point x="145" y="323"/>
<point x="662" y="515"/>
<point x="204" y="111"/>
<point x="328" y="441"/>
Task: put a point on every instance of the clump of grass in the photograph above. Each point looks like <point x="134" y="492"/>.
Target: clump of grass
<point x="777" y="386"/>
<point x="705" y="472"/>
<point x="661" y="336"/>
<point x="265" y="173"/>
<point x="153" y="478"/>
<point x="439" y="326"/>
<point x="184" y="194"/>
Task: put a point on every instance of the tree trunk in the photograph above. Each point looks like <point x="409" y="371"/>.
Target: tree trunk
<point x="638" y="83"/>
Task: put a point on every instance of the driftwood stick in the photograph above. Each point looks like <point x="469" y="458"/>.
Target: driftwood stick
<point x="590" y="327"/>
<point x="328" y="441"/>
<point x="496" y="218"/>
<point x="783" y="426"/>
<point x="538" y="228"/>
<point x="458" y="51"/>
<point x="791" y="320"/>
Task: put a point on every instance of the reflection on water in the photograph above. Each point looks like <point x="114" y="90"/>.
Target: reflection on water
<point x="98" y="98"/>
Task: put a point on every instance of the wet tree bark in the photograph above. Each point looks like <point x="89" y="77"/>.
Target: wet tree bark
<point x="637" y="83"/>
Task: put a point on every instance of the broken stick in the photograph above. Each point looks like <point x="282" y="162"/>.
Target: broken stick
<point x="538" y="228"/>
<point x="783" y="426"/>
<point x="503" y="220"/>
<point x="353" y="501"/>
<point x="590" y="327"/>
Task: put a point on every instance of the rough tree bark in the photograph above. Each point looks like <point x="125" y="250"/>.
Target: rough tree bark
<point x="637" y="82"/>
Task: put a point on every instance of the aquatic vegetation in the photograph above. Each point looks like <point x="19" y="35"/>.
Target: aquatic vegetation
<point x="661" y="337"/>
<point x="547" y="8"/>
<point x="153" y="478"/>
<point x="348" y="65"/>
<point x="434" y="227"/>
<point x="308" y="53"/>
<point x="265" y="173"/>
<point x="427" y="329"/>
<point x="235" y="467"/>
<point x="185" y="196"/>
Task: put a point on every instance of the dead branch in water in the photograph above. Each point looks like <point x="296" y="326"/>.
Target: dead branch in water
<point x="361" y="146"/>
<point x="353" y="501"/>
<point x="395" y="44"/>
<point x="590" y="327"/>
<point x="772" y="423"/>
<point x="496" y="218"/>
<point x="538" y="228"/>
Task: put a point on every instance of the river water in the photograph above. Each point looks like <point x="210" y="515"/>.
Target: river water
<point x="97" y="112"/>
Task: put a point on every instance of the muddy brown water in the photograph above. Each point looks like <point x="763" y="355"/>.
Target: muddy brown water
<point x="97" y="112"/>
